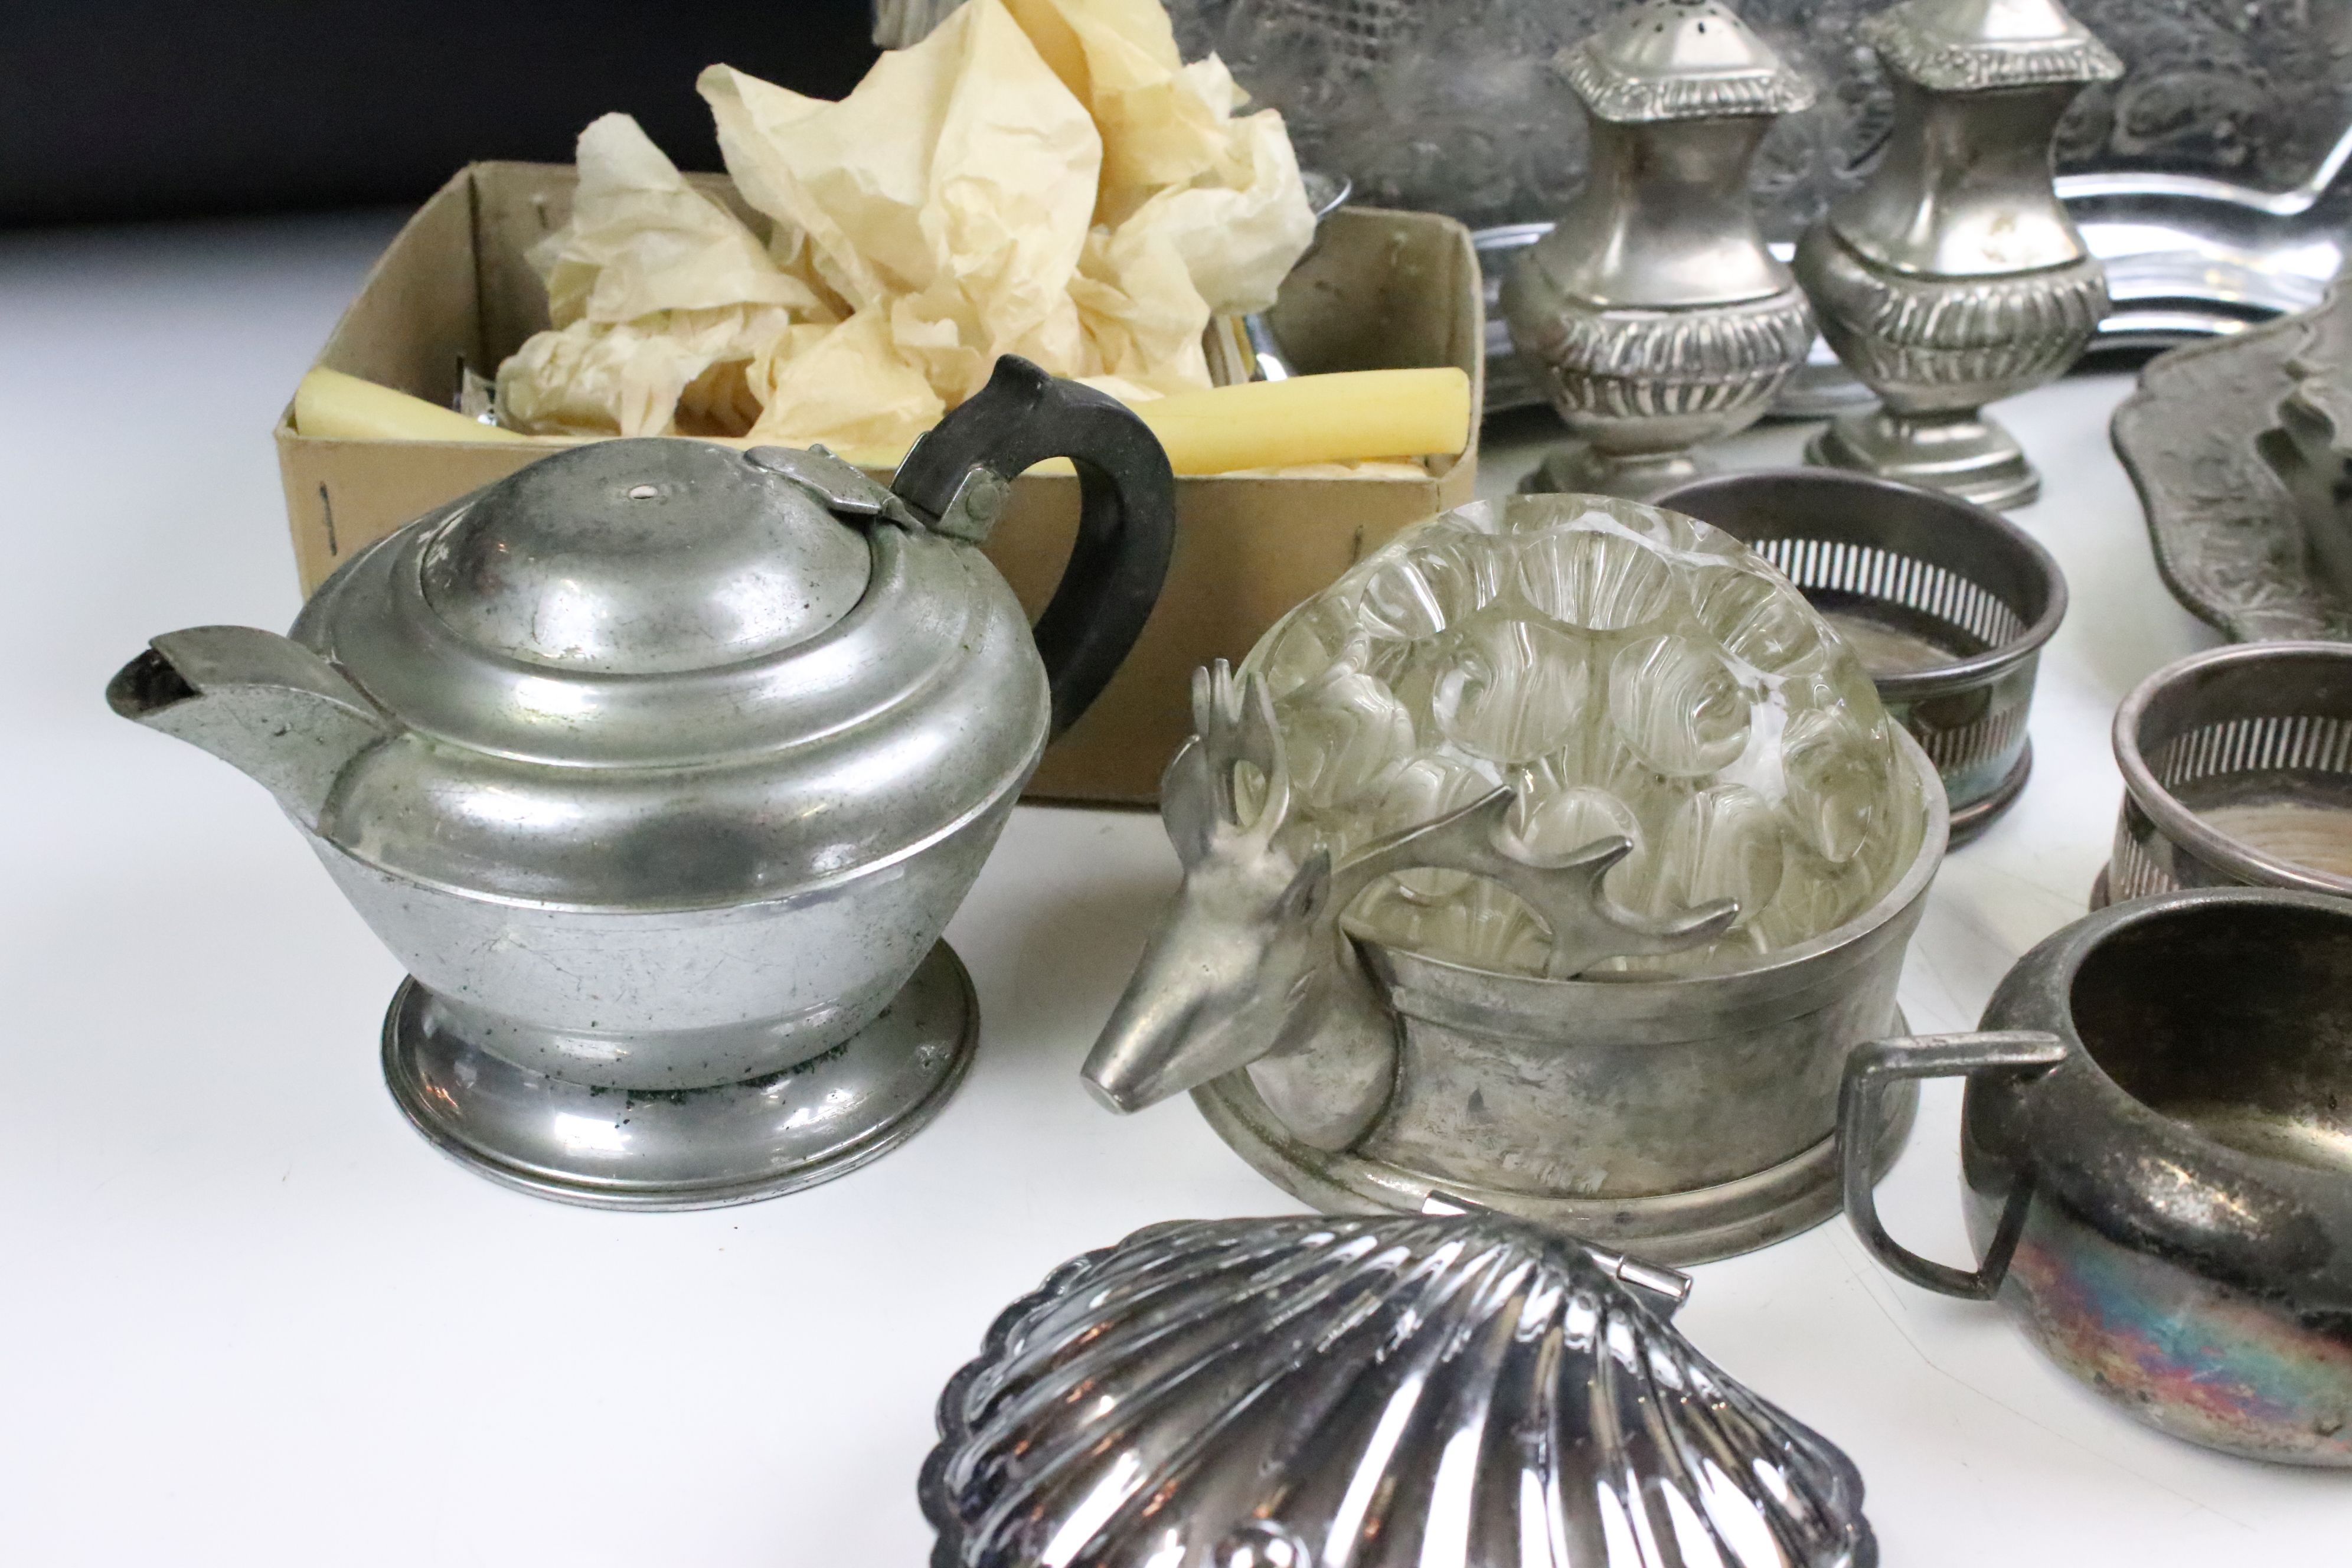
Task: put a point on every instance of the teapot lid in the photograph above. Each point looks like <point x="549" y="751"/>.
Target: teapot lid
<point x="652" y="603"/>
<point x="1682" y="59"/>
<point x="1977" y="46"/>
<point x="642" y="557"/>
<point x="671" y="673"/>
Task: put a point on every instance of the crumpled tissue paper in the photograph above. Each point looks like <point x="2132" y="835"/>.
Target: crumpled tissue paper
<point x="1039" y="177"/>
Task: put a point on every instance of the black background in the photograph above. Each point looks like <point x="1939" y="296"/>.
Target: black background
<point x="175" y="108"/>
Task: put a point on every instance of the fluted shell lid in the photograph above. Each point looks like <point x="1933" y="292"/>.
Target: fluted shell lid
<point x="1682" y="59"/>
<point x="1967" y="46"/>
<point x="1382" y="1393"/>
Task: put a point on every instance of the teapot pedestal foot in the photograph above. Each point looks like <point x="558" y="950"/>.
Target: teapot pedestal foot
<point x="685" y="1149"/>
<point x="1964" y="455"/>
<point x="1672" y="1228"/>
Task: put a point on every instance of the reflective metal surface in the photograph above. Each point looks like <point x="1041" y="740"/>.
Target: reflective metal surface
<point x="1682" y="1119"/>
<point x="2311" y="450"/>
<point x="2187" y="259"/>
<point x="1392" y="1392"/>
<point x="2157" y="1146"/>
<point x="2198" y="438"/>
<point x="1653" y="314"/>
<point x="555" y="1136"/>
<point x="1953" y="277"/>
<point x="1947" y="605"/>
<point x="2237" y="769"/>
<point x="661" y="765"/>
<point x="1447" y="105"/>
<point x="1268" y="360"/>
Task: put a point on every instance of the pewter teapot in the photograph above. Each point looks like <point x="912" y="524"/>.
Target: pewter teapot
<point x="662" y="764"/>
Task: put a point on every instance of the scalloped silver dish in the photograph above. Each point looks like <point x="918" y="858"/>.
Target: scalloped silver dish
<point x="1391" y="1393"/>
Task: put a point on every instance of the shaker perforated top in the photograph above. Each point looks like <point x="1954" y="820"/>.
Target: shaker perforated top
<point x="1682" y="59"/>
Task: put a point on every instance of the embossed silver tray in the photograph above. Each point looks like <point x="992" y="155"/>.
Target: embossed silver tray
<point x="1454" y="105"/>
<point x="2225" y="529"/>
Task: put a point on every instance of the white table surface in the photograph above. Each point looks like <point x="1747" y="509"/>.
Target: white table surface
<point x="248" y="1317"/>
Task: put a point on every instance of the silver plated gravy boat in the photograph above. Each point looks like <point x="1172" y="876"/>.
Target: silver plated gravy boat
<point x="661" y="765"/>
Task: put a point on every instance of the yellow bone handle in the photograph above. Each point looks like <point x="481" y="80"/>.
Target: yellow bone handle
<point x="1348" y="417"/>
<point x="1344" y="417"/>
<point x="331" y="404"/>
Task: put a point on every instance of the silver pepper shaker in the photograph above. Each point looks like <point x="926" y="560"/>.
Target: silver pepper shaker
<point x="1954" y="276"/>
<point x="1656" y="314"/>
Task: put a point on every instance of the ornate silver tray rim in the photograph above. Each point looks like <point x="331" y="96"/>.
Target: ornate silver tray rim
<point x="2227" y="540"/>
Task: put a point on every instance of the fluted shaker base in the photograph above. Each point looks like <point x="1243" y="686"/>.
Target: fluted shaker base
<point x="1963" y="454"/>
<point x="1579" y="469"/>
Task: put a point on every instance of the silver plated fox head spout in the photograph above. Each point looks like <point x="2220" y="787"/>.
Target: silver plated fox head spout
<point x="1390" y="1393"/>
<point x="1251" y="967"/>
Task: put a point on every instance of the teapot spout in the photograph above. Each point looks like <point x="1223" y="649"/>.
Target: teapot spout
<point x="263" y="704"/>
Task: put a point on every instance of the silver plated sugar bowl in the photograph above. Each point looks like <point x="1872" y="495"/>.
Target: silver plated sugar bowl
<point x="662" y="764"/>
<point x="1656" y="313"/>
<point x="1954" y="276"/>
<point x="2156" y="1156"/>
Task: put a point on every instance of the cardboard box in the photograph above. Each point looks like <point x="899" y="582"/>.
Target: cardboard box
<point x="1381" y="290"/>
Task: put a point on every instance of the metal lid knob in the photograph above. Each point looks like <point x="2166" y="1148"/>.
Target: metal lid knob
<point x="643" y="557"/>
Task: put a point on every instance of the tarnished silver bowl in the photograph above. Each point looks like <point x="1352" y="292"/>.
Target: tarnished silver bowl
<point x="2237" y="769"/>
<point x="1682" y="1119"/>
<point x="2157" y="1147"/>
<point x="1948" y="606"/>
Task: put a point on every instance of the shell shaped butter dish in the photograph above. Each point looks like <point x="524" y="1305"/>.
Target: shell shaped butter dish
<point x="1390" y="1393"/>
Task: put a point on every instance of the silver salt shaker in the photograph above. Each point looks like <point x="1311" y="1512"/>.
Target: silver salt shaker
<point x="1954" y="276"/>
<point x="1658" y="318"/>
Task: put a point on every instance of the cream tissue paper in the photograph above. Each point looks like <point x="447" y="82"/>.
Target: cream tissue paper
<point x="1039" y="177"/>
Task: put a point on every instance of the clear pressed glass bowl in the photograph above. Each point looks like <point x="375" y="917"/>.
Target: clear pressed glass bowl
<point x="1624" y="670"/>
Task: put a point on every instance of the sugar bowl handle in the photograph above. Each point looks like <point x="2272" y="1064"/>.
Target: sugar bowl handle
<point x="960" y="474"/>
<point x="1868" y="1073"/>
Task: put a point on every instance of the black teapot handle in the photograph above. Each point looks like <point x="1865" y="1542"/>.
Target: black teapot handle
<point x="1869" y="1072"/>
<point x="960" y="474"/>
